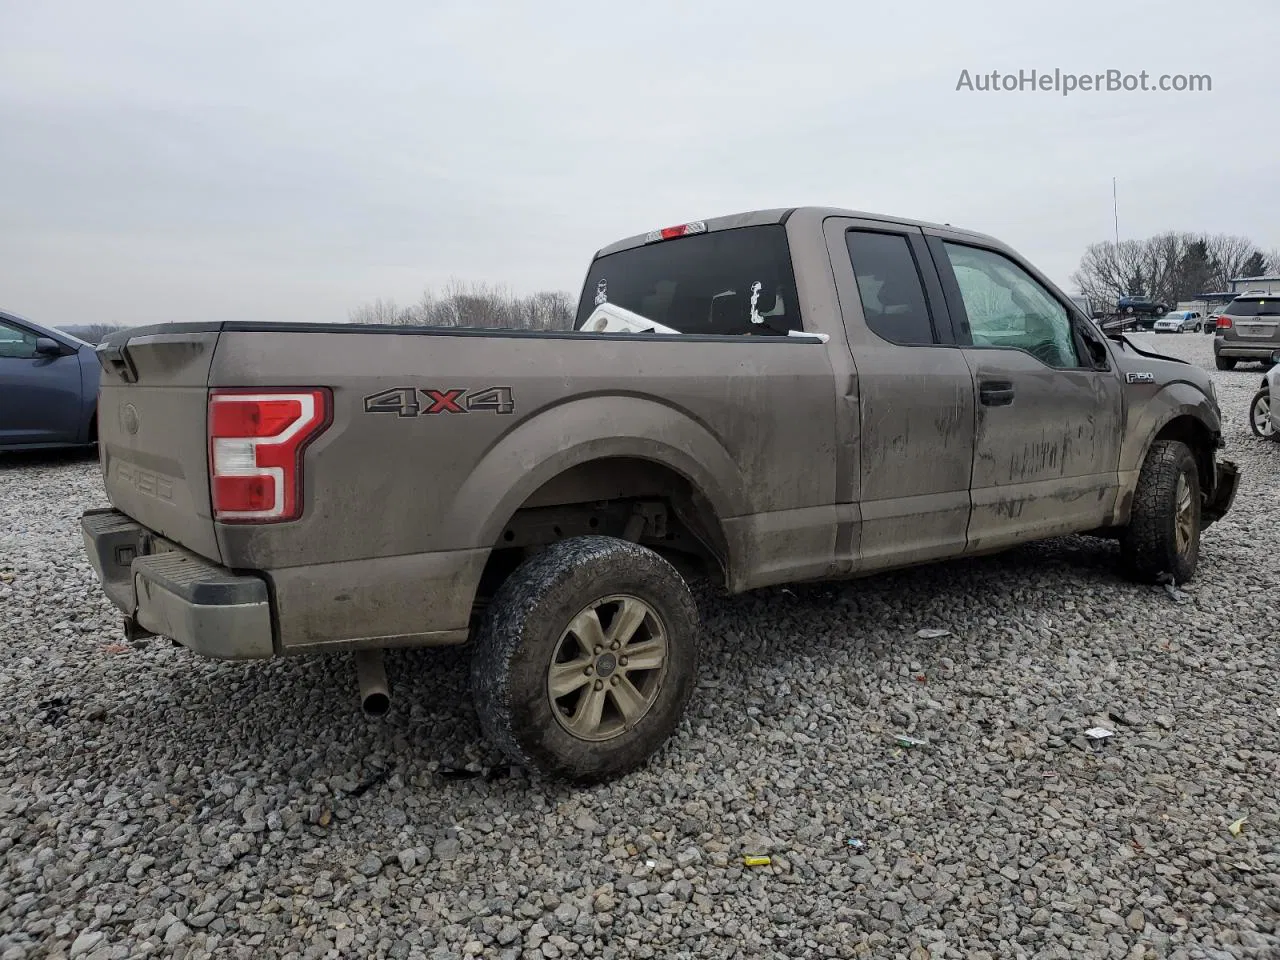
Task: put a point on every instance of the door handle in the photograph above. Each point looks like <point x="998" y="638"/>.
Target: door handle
<point x="996" y="393"/>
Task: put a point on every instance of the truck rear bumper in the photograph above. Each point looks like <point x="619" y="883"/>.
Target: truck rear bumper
<point x="167" y="591"/>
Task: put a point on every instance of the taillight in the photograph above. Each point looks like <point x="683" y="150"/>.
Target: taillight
<point x="682" y="230"/>
<point x="1223" y="323"/>
<point x="256" y="441"/>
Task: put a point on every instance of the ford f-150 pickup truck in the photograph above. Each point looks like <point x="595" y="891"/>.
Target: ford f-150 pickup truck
<point x="778" y="396"/>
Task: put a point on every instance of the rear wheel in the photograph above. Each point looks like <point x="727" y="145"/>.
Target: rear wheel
<point x="586" y="659"/>
<point x="1163" y="536"/>
<point x="1260" y="416"/>
<point x="1224" y="363"/>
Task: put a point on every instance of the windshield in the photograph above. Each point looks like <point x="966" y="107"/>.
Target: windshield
<point x="725" y="283"/>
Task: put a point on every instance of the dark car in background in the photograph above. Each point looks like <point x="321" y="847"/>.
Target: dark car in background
<point x="1145" y="310"/>
<point x="48" y="387"/>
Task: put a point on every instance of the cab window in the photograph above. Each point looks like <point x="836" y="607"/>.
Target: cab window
<point x="1007" y="308"/>
<point x="889" y="286"/>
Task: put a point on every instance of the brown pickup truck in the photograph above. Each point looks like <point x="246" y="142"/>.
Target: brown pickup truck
<point x="778" y="396"/>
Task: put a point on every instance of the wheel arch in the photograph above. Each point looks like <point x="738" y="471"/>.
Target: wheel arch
<point x="1185" y="422"/>
<point x="602" y="449"/>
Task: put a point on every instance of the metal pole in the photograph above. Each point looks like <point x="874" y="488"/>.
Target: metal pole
<point x="1115" y="207"/>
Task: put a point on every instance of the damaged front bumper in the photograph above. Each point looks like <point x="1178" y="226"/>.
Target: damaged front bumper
<point x="1225" y="480"/>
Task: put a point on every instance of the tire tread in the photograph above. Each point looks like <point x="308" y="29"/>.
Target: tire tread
<point x="1147" y="544"/>
<point x="510" y="615"/>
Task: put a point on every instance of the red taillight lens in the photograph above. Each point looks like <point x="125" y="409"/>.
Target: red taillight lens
<point x="680" y="230"/>
<point x="256" y="439"/>
<point x="1224" y="323"/>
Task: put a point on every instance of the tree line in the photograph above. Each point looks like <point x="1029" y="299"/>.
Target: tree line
<point x="91" y="332"/>
<point x="1170" y="267"/>
<point x="476" y="305"/>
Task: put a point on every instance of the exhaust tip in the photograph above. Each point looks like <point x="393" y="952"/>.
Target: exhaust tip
<point x="371" y="677"/>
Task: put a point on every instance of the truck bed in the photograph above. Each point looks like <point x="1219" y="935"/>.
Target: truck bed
<point x="439" y="435"/>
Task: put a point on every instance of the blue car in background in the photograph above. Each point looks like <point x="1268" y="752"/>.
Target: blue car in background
<point x="48" y="387"/>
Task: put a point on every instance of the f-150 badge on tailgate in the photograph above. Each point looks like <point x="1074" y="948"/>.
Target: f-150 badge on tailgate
<point x="420" y="401"/>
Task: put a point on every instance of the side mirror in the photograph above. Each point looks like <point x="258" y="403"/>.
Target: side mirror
<point x="1275" y="356"/>
<point x="48" y="347"/>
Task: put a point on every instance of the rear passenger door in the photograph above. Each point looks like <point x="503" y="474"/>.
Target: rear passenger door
<point x="1050" y="408"/>
<point x="914" y="395"/>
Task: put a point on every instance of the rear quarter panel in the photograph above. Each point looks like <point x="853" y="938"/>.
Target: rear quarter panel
<point x="749" y="421"/>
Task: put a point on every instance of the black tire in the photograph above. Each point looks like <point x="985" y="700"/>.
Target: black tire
<point x="1225" y="363"/>
<point x="523" y="629"/>
<point x="1149" y="547"/>
<point x="1262" y="432"/>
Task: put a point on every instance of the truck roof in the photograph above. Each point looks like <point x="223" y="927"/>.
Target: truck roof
<point x="816" y="214"/>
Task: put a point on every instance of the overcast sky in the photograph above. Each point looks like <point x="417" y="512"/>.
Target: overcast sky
<point x="293" y="160"/>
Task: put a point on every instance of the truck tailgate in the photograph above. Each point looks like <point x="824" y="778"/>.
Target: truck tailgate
<point x="152" y="410"/>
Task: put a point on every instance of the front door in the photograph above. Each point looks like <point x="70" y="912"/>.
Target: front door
<point x="1049" y="416"/>
<point x="39" y="395"/>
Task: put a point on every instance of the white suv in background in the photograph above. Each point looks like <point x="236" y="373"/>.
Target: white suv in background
<point x="1178" y="321"/>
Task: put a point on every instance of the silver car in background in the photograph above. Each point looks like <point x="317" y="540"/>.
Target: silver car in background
<point x="1179" y="321"/>
<point x="1248" y="329"/>
<point x="1264" y="414"/>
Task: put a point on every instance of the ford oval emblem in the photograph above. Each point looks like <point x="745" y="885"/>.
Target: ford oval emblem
<point x="129" y="418"/>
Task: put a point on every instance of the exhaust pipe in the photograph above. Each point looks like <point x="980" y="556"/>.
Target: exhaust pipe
<point x="375" y="694"/>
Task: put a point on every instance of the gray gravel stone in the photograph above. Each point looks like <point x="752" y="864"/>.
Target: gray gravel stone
<point x="157" y="804"/>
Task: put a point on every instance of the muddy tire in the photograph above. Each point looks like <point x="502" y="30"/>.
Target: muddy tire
<point x="1260" y="416"/>
<point x="1162" y="539"/>
<point x="1224" y="363"/>
<point x="585" y="659"/>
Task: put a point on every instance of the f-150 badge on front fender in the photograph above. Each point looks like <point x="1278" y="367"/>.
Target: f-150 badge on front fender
<point x="420" y="401"/>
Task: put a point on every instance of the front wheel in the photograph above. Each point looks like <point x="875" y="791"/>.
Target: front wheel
<point x="586" y="659"/>
<point x="1224" y="363"/>
<point x="1260" y="421"/>
<point x="1163" y="536"/>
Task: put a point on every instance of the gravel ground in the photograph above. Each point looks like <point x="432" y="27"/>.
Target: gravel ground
<point x="153" y="803"/>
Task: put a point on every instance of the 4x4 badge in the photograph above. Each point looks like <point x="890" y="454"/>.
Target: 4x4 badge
<point x="419" y="401"/>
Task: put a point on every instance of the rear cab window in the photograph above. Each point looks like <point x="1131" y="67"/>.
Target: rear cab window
<point x="736" y="282"/>
<point x="1254" y="307"/>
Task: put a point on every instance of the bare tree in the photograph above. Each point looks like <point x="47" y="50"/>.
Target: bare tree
<point x="1108" y="272"/>
<point x="1230" y="255"/>
<point x="477" y="304"/>
<point x="92" y="332"/>
<point x="1169" y="267"/>
<point x="380" y="311"/>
